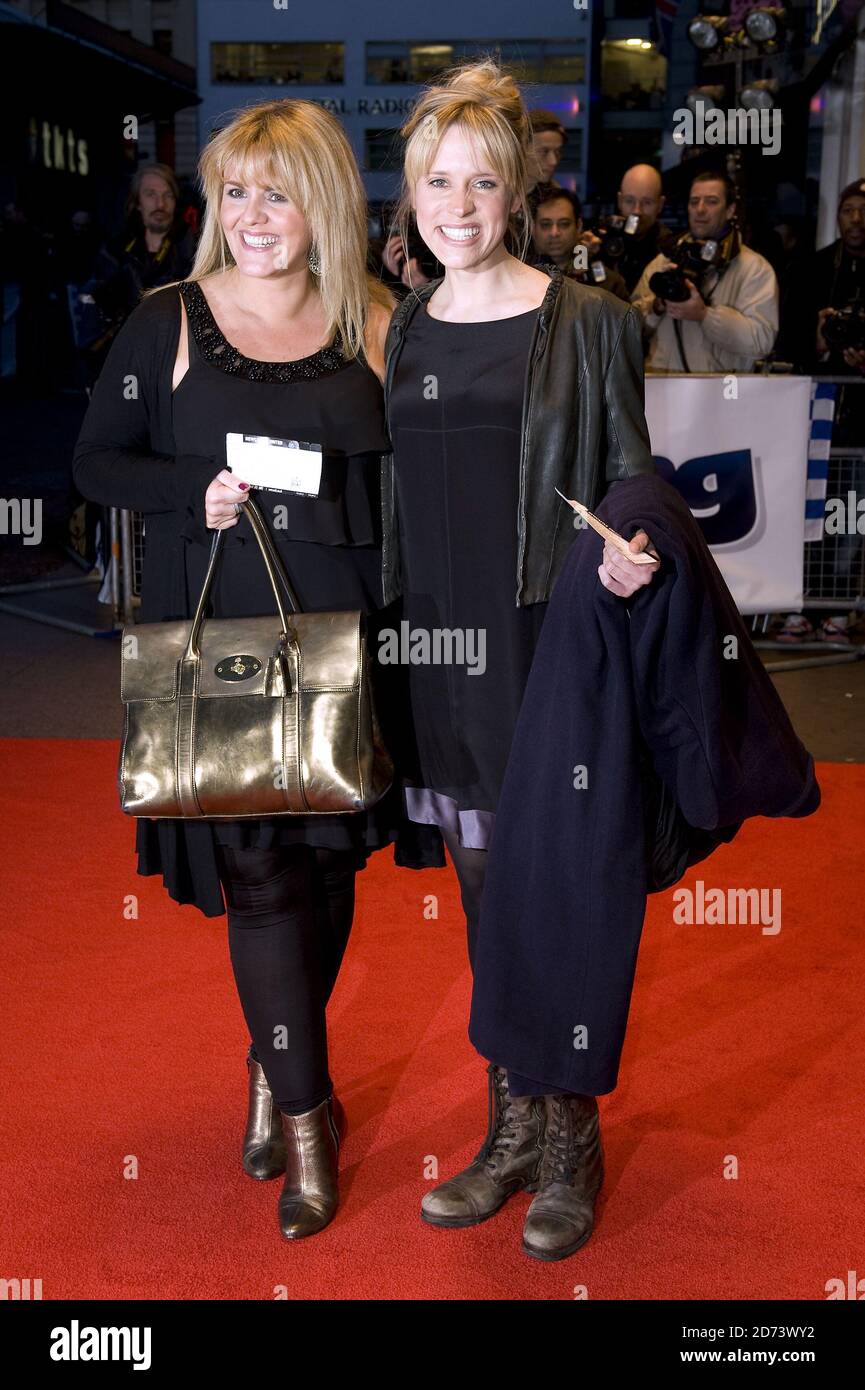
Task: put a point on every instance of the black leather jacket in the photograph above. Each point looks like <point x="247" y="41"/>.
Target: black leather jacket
<point x="583" y="424"/>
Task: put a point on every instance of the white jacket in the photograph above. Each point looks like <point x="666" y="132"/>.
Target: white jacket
<point x="740" y="325"/>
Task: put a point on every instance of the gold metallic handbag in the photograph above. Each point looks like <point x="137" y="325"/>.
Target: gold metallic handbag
<point x="234" y="717"/>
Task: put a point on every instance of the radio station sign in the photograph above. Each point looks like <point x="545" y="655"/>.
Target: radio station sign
<point x="366" y="106"/>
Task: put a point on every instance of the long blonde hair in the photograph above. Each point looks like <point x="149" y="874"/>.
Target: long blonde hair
<point x="485" y="103"/>
<point x="301" y="151"/>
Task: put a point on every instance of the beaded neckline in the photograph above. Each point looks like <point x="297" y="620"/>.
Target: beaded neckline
<point x="219" y="352"/>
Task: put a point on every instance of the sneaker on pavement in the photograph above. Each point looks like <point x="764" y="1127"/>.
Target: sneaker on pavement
<point x="796" y="629"/>
<point x="835" y="630"/>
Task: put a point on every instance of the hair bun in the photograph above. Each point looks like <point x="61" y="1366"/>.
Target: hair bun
<point x="486" y="82"/>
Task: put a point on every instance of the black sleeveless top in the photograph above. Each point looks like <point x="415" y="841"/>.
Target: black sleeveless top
<point x="327" y="399"/>
<point x="331" y="548"/>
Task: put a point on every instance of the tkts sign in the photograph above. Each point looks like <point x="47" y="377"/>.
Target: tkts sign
<point x="57" y="147"/>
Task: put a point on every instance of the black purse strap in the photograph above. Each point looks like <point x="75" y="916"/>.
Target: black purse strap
<point x="275" y="572"/>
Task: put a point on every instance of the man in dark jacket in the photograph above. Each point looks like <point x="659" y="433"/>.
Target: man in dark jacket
<point x="157" y="247"/>
<point x="557" y="234"/>
<point x="832" y="280"/>
<point x="815" y="296"/>
<point x="641" y="196"/>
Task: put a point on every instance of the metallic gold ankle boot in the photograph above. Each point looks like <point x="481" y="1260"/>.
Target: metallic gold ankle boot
<point x="561" y="1217"/>
<point x="509" y="1159"/>
<point x="263" y="1142"/>
<point x="310" y="1195"/>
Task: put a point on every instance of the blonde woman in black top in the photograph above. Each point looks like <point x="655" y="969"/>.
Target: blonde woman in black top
<point x="278" y="332"/>
<point x="503" y="384"/>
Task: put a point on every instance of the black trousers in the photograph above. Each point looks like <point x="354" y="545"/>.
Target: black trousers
<point x="290" y="911"/>
<point x="470" y="866"/>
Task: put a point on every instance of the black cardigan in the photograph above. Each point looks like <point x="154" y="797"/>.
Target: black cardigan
<point x="125" y="452"/>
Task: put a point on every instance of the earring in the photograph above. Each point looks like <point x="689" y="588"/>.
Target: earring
<point x="313" y="260"/>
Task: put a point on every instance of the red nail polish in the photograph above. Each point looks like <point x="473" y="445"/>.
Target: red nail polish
<point x="243" y="485"/>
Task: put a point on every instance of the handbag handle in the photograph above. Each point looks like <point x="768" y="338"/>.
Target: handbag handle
<point x="275" y="570"/>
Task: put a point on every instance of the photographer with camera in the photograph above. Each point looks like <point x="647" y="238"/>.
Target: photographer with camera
<point x="635" y="236"/>
<point x="713" y="307"/>
<point x="839" y="285"/>
<point x="823" y="332"/>
<point x="558" y="239"/>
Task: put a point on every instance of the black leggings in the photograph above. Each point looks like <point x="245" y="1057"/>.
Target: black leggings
<point x="290" y="912"/>
<point x="471" y="867"/>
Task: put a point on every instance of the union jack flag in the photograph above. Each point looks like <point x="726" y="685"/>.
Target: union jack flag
<point x="665" y="13"/>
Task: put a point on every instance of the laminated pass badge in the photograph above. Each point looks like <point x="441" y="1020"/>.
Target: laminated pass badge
<point x="277" y="465"/>
<point x="639" y="557"/>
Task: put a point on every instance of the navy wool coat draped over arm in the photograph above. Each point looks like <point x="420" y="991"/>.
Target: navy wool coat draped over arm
<point x="615" y="682"/>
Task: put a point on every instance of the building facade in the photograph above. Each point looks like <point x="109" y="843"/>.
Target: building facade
<point x="366" y="64"/>
<point x="84" y="103"/>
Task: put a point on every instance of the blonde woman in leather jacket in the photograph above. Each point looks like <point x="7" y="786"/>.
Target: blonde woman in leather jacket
<point x="502" y="383"/>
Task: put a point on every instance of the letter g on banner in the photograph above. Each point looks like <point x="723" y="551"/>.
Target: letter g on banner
<point x="719" y="489"/>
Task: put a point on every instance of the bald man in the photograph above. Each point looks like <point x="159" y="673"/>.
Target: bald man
<point x="640" y="194"/>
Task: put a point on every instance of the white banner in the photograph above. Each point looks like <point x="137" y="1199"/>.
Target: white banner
<point x="736" y="448"/>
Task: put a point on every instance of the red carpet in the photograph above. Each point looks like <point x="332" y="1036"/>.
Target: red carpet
<point x="124" y="1045"/>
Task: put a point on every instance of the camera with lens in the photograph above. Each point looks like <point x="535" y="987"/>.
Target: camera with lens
<point x="846" y="328"/>
<point x="613" y="233"/>
<point x="693" y="258"/>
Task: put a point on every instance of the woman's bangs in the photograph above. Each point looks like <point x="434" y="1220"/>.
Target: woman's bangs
<point x="485" y="152"/>
<point x="251" y="162"/>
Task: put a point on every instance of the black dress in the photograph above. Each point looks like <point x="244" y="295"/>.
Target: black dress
<point x="456" y="421"/>
<point x="330" y="546"/>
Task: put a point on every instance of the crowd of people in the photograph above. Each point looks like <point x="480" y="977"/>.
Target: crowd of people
<point x="732" y="312"/>
<point x="708" y="301"/>
<point x="739" y="311"/>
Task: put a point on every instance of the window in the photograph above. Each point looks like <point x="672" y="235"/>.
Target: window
<point x="162" y="41"/>
<point x="633" y="75"/>
<point x="528" y="60"/>
<point x="280" y="64"/>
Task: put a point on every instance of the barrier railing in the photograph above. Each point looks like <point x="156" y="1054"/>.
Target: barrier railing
<point x="834" y="565"/>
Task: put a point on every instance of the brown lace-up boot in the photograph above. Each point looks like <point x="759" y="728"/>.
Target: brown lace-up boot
<point x="561" y="1216"/>
<point x="509" y="1160"/>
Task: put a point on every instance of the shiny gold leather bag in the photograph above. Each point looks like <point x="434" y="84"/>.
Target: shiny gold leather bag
<point x="234" y="717"/>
